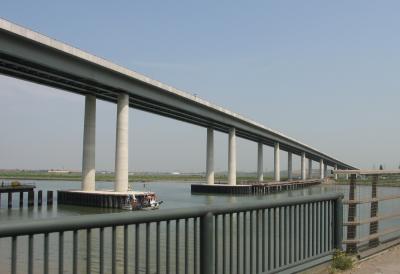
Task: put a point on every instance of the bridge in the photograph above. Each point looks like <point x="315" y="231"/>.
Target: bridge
<point x="31" y="56"/>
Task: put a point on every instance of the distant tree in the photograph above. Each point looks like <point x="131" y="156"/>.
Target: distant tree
<point x="380" y="167"/>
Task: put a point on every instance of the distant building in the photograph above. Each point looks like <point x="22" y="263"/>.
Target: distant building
<point x="58" y="171"/>
<point x="175" y="173"/>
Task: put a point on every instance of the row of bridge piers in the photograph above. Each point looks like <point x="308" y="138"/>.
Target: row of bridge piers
<point x="121" y="152"/>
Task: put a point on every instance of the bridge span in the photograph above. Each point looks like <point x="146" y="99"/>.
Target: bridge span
<point x="31" y="56"/>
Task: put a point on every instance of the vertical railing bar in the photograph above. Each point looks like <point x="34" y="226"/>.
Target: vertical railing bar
<point x="330" y="224"/>
<point x="46" y="254"/>
<point x="263" y="258"/>
<point x="177" y="246"/>
<point x="291" y="233"/>
<point x="186" y="246"/>
<point x="301" y="232"/>
<point x="306" y="230"/>
<point x="126" y="241"/>
<point x="101" y="250"/>
<point x="88" y="251"/>
<point x="251" y="261"/>
<point x="297" y="235"/>
<point x="277" y="236"/>
<point x="271" y="239"/>
<point x="231" y="243"/>
<point x="147" y="248"/>
<point x="258" y="253"/>
<point x="30" y="254"/>
<point x="224" y="243"/>
<point x="325" y="235"/>
<point x="14" y="254"/>
<point x="195" y="246"/>
<point x="158" y="257"/>
<point x="311" y="229"/>
<point x="75" y="252"/>
<point x="137" y="247"/>
<point x="314" y="238"/>
<point x="321" y="240"/>
<point x="287" y="235"/>
<point x="206" y="243"/>
<point x="114" y="250"/>
<point x="216" y="233"/>
<point x="283" y="236"/>
<point x="238" y="266"/>
<point x="167" y="261"/>
<point x="244" y="242"/>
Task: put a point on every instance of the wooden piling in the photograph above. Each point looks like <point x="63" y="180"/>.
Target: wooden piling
<point x="49" y="197"/>
<point x="21" y="199"/>
<point x="31" y="198"/>
<point x="10" y="199"/>
<point x="40" y="197"/>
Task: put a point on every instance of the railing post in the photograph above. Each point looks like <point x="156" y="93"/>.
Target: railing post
<point x="338" y="225"/>
<point x="352" y="212"/>
<point x="206" y="244"/>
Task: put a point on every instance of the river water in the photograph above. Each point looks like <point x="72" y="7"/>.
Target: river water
<point x="174" y="195"/>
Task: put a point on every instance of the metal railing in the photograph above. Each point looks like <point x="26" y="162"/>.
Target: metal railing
<point x="383" y="225"/>
<point x="252" y="237"/>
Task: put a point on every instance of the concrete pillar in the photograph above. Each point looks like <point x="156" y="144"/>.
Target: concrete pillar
<point x="210" y="157"/>
<point x="260" y="164"/>
<point x="336" y="177"/>
<point x="89" y="145"/>
<point x="325" y="170"/>
<point x="321" y="169"/>
<point x="303" y="166"/>
<point x="309" y="168"/>
<point x="290" y="166"/>
<point x="232" y="157"/>
<point x="121" y="150"/>
<point x="277" y="168"/>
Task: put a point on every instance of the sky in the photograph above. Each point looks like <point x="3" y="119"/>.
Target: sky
<point x="322" y="72"/>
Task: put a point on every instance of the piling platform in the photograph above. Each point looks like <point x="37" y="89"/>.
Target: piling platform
<point x="11" y="188"/>
<point x="98" y="198"/>
<point x="253" y="187"/>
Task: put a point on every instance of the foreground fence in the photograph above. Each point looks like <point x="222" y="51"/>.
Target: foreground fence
<point x="253" y="237"/>
<point x="373" y="218"/>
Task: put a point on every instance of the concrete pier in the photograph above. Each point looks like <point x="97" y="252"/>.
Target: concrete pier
<point x="122" y="141"/>
<point x="309" y="168"/>
<point x="210" y="157"/>
<point x="303" y="166"/>
<point x="277" y="168"/>
<point x="89" y="145"/>
<point x="321" y="169"/>
<point x="232" y="157"/>
<point x="335" y="176"/>
<point x="260" y="164"/>
<point x="325" y="170"/>
<point x="290" y="166"/>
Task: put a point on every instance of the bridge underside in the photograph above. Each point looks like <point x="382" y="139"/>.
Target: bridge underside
<point x="21" y="58"/>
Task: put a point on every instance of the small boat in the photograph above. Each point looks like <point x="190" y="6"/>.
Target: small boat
<point x="146" y="202"/>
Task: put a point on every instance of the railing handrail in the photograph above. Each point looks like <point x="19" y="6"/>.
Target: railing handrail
<point x="71" y="223"/>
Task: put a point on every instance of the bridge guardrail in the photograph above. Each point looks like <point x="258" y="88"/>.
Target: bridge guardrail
<point x="251" y="237"/>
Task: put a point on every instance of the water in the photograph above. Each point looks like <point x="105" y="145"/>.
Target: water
<point x="175" y="195"/>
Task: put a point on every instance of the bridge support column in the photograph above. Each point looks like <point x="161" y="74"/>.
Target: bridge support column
<point x="309" y="168"/>
<point x="210" y="157"/>
<point x="232" y="157"/>
<point x="260" y="164"/>
<point x="290" y="166"/>
<point x="277" y="168"/>
<point x="303" y="166"/>
<point x="89" y="145"/>
<point x="325" y="170"/>
<point x="321" y="169"/>
<point x="336" y="176"/>
<point x="121" y="150"/>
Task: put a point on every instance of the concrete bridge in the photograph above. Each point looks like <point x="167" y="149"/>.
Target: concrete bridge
<point x="31" y="56"/>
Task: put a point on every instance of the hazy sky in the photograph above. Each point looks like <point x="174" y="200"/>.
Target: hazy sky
<point x="323" y="72"/>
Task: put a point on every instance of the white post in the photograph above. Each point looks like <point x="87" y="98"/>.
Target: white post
<point x="321" y="169"/>
<point x="260" y="169"/>
<point x="277" y="168"/>
<point x="336" y="177"/>
<point x="290" y="166"/>
<point x="89" y="145"/>
<point x="232" y="157"/>
<point x="210" y="157"/>
<point x="303" y="166"/>
<point x="309" y="168"/>
<point x="121" y="151"/>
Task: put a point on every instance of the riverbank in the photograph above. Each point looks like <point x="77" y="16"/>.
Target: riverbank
<point x="109" y="177"/>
